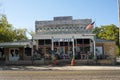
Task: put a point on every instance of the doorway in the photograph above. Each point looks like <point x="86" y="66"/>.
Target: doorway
<point x="82" y="49"/>
<point x="63" y="50"/>
<point x="2" y="54"/>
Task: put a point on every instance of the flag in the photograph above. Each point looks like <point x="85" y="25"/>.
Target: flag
<point x="88" y="27"/>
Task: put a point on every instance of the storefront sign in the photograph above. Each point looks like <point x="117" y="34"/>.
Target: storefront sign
<point x="62" y="39"/>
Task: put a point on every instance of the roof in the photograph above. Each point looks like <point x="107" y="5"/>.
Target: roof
<point x="15" y="43"/>
<point x="103" y="40"/>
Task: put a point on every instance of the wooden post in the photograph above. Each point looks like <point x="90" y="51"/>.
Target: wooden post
<point x="94" y="50"/>
<point x="73" y="58"/>
<point x="53" y="54"/>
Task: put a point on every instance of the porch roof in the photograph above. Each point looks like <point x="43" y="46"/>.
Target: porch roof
<point x="103" y="40"/>
<point x="15" y="44"/>
<point x="82" y="36"/>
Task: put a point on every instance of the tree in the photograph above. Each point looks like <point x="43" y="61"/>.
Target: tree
<point x="7" y="33"/>
<point x="20" y="34"/>
<point x="108" y="32"/>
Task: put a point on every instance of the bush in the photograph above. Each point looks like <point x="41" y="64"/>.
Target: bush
<point x="117" y="50"/>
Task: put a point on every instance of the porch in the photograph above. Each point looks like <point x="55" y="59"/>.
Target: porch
<point x="104" y="60"/>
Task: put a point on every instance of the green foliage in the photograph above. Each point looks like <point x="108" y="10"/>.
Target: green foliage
<point x="4" y="23"/>
<point x="20" y="34"/>
<point x="7" y="33"/>
<point x="117" y="50"/>
<point x="108" y="32"/>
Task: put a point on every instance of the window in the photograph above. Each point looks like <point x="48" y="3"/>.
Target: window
<point x="41" y="42"/>
<point x="99" y="50"/>
<point x="58" y="27"/>
<point x="61" y="43"/>
<point x="79" y="41"/>
<point x="14" y="54"/>
<point x="47" y="28"/>
<point x="1" y="53"/>
<point x="63" y="27"/>
<point x="56" y="43"/>
<point x="81" y="28"/>
<point x="48" y="41"/>
<point x="39" y="30"/>
<point x="28" y="51"/>
<point x="84" y="28"/>
<point x="70" y="43"/>
<point x="44" y="28"/>
<point x="86" y="41"/>
<point x="66" y="43"/>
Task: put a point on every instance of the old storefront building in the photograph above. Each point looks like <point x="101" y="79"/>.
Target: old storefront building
<point x="62" y="38"/>
<point x="66" y="37"/>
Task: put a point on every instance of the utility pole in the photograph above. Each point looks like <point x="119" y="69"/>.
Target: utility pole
<point x="119" y="19"/>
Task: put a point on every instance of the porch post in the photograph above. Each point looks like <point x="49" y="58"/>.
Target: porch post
<point x="91" y="46"/>
<point x="37" y="44"/>
<point x="73" y="48"/>
<point x="69" y="48"/>
<point x="94" y="50"/>
<point x="31" y="44"/>
<point x="53" y="54"/>
<point x="52" y="45"/>
<point x="76" y="45"/>
<point x="73" y="58"/>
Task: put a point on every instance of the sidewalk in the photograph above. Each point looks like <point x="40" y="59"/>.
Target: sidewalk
<point x="38" y="68"/>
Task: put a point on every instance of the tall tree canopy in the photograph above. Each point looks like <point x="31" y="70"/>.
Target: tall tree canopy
<point x="8" y="33"/>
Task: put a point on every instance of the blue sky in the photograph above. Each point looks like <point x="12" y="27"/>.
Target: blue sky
<point x="23" y="13"/>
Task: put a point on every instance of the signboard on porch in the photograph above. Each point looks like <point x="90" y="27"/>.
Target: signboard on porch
<point x="62" y="39"/>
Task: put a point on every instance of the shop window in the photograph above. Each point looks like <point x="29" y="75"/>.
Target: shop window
<point x="70" y="43"/>
<point x="41" y="42"/>
<point x="48" y="41"/>
<point x="66" y="43"/>
<point x="56" y="44"/>
<point x="61" y="44"/>
<point x="79" y="41"/>
<point x="83" y="41"/>
<point x="28" y="51"/>
<point x="86" y="41"/>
